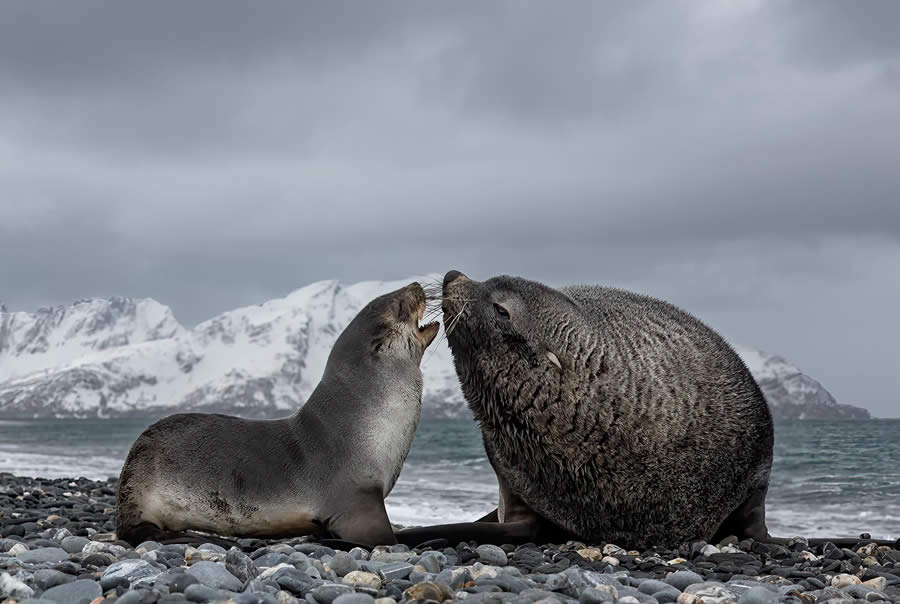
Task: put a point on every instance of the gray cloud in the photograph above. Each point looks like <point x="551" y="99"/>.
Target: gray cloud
<point x="738" y="159"/>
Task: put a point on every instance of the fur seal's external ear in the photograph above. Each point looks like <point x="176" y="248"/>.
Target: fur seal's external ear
<point x="554" y="359"/>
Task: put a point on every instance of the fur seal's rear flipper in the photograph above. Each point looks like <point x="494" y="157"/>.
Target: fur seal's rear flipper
<point x="844" y="542"/>
<point x="146" y="531"/>
<point x="749" y="520"/>
<point x="499" y="533"/>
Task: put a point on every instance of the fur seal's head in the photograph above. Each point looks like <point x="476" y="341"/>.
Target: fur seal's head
<point x="510" y="339"/>
<point x="387" y="330"/>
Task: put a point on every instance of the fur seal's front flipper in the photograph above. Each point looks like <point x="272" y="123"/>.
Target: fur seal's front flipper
<point x="365" y="521"/>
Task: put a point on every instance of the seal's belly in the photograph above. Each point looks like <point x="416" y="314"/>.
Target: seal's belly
<point x="177" y="510"/>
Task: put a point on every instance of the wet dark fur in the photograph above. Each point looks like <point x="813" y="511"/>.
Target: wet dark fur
<point x="653" y="433"/>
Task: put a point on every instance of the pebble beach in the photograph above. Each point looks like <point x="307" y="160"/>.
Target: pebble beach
<point x="57" y="544"/>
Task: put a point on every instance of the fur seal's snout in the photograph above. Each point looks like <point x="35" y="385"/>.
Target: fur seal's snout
<point x="452" y="276"/>
<point x="412" y="303"/>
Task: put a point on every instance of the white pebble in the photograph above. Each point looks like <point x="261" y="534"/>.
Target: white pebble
<point x="610" y="560"/>
<point x="844" y="580"/>
<point x="878" y="583"/>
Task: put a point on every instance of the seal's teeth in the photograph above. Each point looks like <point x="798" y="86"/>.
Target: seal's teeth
<point x="427" y="325"/>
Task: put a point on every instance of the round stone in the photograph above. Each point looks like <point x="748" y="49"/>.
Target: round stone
<point x="83" y="589"/>
<point x="74" y="545"/>
<point x="361" y="577"/>
<point x="136" y="572"/>
<point x="13" y="587"/>
<point x="594" y="595"/>
<point x="845" y="580"/>
<point x="491" y="554"/>
<point x="343" y="563"/>
<point x="43" y="554"/>
<point x="326" y="594"/>
<point x="758" y="595"/>
<point x="681" y="579"/>
<point x="214" y="575"/>
<point x="240" y="565"/>
<point x="46" y="578"/>
<point x="354" y="598"/>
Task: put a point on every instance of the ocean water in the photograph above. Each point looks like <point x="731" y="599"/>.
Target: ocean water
<point x="830" y="479"/>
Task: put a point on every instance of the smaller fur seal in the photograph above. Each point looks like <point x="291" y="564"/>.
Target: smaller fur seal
<point x="325" y="470"/>
<point x="607" y="416"/>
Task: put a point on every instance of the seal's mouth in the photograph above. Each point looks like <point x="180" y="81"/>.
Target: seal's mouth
<point x="428" y="331"/>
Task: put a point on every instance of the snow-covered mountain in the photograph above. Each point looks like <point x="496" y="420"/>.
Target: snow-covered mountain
<point x="792" y="394"/>
<point x="120" y="357"/>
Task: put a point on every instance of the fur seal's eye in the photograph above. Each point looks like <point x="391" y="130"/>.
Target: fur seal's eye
<point x="501" y="310"/>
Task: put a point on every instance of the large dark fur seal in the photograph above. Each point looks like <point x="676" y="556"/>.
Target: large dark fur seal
<point x="324" y="470"/>
<point x="607" y="416"/>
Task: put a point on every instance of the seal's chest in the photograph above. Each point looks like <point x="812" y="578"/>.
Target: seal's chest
<point x="389" y="439"/>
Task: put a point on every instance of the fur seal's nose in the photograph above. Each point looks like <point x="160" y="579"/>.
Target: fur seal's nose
<point x="452" y="276"/>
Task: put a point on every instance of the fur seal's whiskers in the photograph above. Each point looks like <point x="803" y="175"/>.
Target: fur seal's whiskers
<point x="457" y="318"/>
<point x="448" y="329"/>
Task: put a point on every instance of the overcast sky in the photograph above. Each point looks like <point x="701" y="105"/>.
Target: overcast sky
<point x="739" y="159"/>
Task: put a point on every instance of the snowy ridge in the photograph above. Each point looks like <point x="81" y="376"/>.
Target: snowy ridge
<point x="791" y="393"/>
<point x="119" y="357"/>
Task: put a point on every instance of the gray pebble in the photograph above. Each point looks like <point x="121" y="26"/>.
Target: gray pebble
<point x="12" y="586"/>
<point x="253" y="598"/>
<point x="394" y="570"/>
<point x="432" y="563"/>
<point x="504" y="582"/>
<point x="343" y="563"/>
<point x="182" y="582"/>
<point x="203" y="593"/>
<point x="136" y="572"/>
<point x="420" y="577"/>
<point x="295" y="581"/>
<point x="83" y="589"/>
<point x="47" y="578"/>
<point x="326" y="594"/>
<point x="270" y="559"/>
<point x="592" y="595"/>
<point x="758" y="595"/>
<point x="74" y="545"/>
<point x="557" y="582"/>
<point x="240" y="565"/>
<point x="134" y="596"/>
<point x="681" y="579"/>
<point x="214" y="575"/>
<point x="666" y="595"/>
<point x="43" y="554"/>
<point x="491" y="554"/>
<point x="354" y="599"/>
<point x="651" y="586"/>
<point x="212" y="547"/>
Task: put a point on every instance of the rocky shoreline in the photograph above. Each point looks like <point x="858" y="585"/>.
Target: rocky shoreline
<point x="57" y="545"/>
